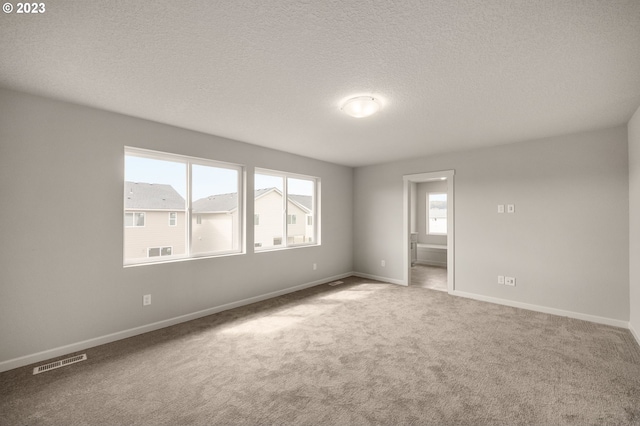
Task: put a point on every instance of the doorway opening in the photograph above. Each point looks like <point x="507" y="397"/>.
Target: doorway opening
<point x="429" y="230"/>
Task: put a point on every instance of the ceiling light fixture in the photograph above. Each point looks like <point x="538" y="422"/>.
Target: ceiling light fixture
<point x="361" y="106"/>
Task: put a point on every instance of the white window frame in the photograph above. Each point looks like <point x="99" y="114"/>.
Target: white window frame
<point x="285" y="244"/>
<point x="133" y="214"/>
<point x="189" y="162"/>
<point x="429" y="194"/>
<point x="161" y="248"/>
<point x="174" y="218"/>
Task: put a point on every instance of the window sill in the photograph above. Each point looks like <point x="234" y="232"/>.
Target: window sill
<point x="182" y="259"/>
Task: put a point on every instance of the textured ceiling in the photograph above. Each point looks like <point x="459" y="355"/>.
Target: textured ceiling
<point x="451" y="75"/>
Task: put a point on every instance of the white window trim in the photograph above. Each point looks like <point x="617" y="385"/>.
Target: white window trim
<point x="315" y="209"/>
<point x="176" y="219"/>
<point x="133" y="213"/>
<point x="428" y="215"/>
<point x="190" y="161"/>
<point x="159" y="247"/>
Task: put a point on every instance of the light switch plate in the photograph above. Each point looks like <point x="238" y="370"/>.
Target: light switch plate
<point x="511" y="208"/>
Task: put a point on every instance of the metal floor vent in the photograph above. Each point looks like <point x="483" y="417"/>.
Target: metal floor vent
<point x="336" y="283"/>
<point x="58" y="364"/>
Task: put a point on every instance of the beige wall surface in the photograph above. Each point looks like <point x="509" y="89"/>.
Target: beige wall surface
<point x="634" y="222"/>
<point x="215" y="232"/>
<point x="156" y="232"/>
<point x="63" y="281"/>
<point x="567" y="244"/>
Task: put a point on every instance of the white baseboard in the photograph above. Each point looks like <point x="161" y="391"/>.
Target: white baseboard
<point x="635" y="333"/>
<point x="544" y="309"/>
<point x="86" y="344"/>
<point x="379" y="278"/>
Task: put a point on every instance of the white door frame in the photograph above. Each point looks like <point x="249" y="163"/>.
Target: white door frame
<point x="406" y="240"/>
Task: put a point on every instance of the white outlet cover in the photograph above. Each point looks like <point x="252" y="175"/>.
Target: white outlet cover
<point x="500" y="208"/>
<point x="500" y="279"/>
<point x="146" y="300"/>
<point x="511" y="208"/>
<point x="510" y="281"/>
<point x="383" y="263"/>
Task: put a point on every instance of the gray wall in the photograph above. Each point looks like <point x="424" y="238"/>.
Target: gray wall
<point x="61" y="184"/>
<point x="634" y="222"/>
<point x="566" y="244"/>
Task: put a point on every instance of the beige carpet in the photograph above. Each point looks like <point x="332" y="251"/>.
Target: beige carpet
<point x="431" y="277"/>
<point x="359" y="353"/>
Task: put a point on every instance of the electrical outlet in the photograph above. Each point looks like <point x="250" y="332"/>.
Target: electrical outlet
<point x="383" y="263"/>
<point x="510" y="281"/>
<point x="500" y="208"/>
<point x="146" y="300"/>
<point x="315" y="266"/>
<point x="511" y="208"/>
<point x="500" y="279"/>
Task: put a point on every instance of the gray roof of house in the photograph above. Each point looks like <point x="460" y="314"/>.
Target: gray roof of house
<point x="216" y="203"/>
<point x="304" y="200"/>
<point x="152" y="196"/>
<point x="229" y="202"/>
<point x="155" y="196"/>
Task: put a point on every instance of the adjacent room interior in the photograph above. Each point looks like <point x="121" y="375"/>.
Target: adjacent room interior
<point x="202" y="226"/>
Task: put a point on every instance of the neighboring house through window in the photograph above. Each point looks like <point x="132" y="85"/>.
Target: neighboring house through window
<point x="278" y="200"/>
<point x="157" y="184"/>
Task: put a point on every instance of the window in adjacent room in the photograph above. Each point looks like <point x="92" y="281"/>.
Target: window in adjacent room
<point x="437" y="214"/>
<point x="188" y="191"/>
<point x="280" y="198"/>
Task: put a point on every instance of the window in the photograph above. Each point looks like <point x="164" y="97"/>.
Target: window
<point x="437" y="214"/>
<point x="133" y="219"/>
<point x="256" y="219"/>
<point x="159" y="251"/>
<point x="280" y="198"/>
<point x="191" y="191"/>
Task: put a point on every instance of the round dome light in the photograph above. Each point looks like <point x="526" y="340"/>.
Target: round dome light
<point x="361" y="106"/>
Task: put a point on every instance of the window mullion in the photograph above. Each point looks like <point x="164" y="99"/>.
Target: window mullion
<point x="188" y="210"/>
<point x="285" y="198"/>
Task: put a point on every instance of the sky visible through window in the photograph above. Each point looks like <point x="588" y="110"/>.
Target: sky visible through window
<point x="219" y="180"/>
